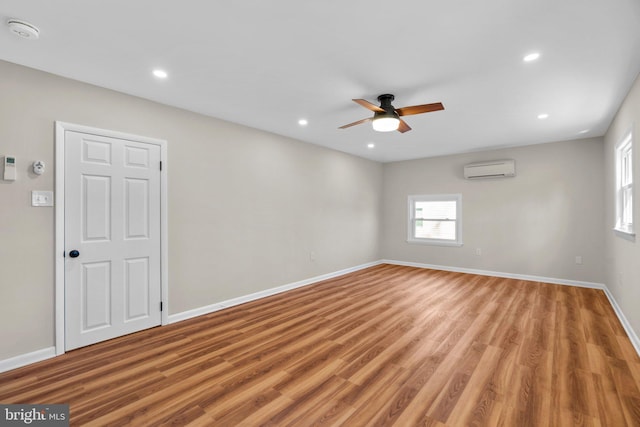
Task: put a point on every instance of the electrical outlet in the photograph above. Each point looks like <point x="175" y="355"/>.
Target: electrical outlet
<point x="578" y="260"/>
<point x="312" y="256"/>
<point x="479" y="251"/>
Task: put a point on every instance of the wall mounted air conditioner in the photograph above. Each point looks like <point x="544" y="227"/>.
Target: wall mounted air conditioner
<point x="491" y="169"/>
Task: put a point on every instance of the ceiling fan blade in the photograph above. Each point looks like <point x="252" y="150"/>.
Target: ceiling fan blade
<point x="355" y="123"/>
<point x="369" y="106"/>
<point x="419" y="109"/>
<point x="403" y="127"/>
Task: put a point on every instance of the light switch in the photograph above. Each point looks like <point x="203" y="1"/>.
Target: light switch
<point x="42" y="198"/>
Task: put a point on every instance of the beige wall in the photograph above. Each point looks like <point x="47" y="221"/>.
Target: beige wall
<point x="533" y="224"/>
<point x="622" y="256"/>
<point x="246" y="207"/>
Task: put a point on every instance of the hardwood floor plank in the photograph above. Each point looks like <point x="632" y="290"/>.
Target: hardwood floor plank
<point x="233" y="407"/>
<point x="567" y="418"/>
<point x="322" y="391"/>
<point x="626" y="388"/>
<point x="262" y="416"/>
<point x="368" y="398"/>
<point x="599" y="332"/>
<point x="323" y="408"/>
<point x="609" y="405"/>
<point x="500" y="385"/>
<point x="385" y="346"/>
<point x="477" y="400"/>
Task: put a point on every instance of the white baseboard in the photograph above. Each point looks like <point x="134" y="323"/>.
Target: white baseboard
<point x="499" y="274"/>
<point x="173" y="318"/>
<point x="27" y="359"/>
<point x="633" y="337"/>
<point x="46" y="353"/>
<point x="200" y="311"/>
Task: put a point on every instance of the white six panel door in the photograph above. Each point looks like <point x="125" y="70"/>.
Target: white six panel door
<point x="112" y="219"/>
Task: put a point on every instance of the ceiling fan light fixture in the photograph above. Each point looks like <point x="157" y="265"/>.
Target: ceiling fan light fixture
<point x="386" y="117"/>
<point x="385" y="122"/>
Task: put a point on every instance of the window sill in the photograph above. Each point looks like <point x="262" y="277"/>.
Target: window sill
<point x="625" y="234"/>
<point x="434" y="242"/>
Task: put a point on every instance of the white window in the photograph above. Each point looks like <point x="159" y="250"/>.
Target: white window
<point x="436" y="219"/>
<point x="624" y="185"/>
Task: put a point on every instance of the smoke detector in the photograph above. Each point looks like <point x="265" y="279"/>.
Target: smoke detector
<point x="23" y="29"/>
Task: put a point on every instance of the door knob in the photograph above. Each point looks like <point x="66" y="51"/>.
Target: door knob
<point x="74" y="254"/>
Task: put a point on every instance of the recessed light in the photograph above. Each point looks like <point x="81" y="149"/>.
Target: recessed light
<point x="371" y="145"/>
<point x="543" y="116"/>
<point x="584" y="130"/>
<point x="303" y="122"/>
<point x="161" y="74"/>
<point x="531" y="57"/>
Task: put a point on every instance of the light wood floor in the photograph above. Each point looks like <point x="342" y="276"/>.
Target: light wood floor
<point x="389" y="345"/>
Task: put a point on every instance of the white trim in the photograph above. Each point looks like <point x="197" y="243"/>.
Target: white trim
<point x="625" y="235"/>
<point x="263" y="294"/>
<point x="27" y="359"/>
<point x="498" y="274"/>
<point x="623" y="148"/>
<point x="633" y="337"/>
<point x="435" y="242"/>
<point x="59" y="239"/>
<point x="36" y="356"/>
<point x="60" y="129"/>
<point x="164" y="234"/>
<point x="412" y="199"/>
<point x="189" y="314"/>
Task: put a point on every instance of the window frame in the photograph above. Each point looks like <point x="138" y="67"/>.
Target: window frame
<point x="624" y="212"/>
<point x="412" y="199"/>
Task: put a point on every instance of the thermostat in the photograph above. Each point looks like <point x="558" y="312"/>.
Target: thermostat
<point x="9" y="168"/>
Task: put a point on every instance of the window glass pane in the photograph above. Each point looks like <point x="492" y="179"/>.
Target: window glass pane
<point x="436" y="209"/>
<point x="627" y="176"/>
<point x="624" y="185"/>
<point x="627" y="204"/>
<point x="434" y="219"/>
<point x="445" y="230"/>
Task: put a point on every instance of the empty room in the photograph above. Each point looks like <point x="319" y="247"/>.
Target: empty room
<point x="333" y="213"/>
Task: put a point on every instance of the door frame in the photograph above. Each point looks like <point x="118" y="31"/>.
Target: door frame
<point x="60" y="129"/>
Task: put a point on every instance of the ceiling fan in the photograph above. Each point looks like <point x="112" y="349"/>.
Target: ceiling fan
<point x="386" y="117"/>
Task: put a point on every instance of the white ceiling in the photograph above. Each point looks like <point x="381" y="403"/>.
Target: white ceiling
<point x="266" y="64"/>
